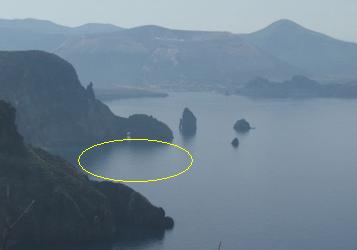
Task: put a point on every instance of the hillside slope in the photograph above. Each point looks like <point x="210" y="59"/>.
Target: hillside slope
<point x="54" y="109"/>
<point x="158" y="56"/>
<point x="153" y="55"/>
<point x="321" y="55"/>
<point x="34" y="34"/>
<point x="44" y="200"/>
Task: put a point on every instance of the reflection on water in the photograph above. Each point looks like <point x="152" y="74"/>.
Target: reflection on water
<point x="130" y="239"/>
<point x="135" y="160"/>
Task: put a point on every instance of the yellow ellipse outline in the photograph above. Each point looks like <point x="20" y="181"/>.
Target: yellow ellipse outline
<point x="136" y="181"/>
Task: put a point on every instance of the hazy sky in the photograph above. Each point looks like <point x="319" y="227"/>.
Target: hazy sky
<point x="334" y="17"/>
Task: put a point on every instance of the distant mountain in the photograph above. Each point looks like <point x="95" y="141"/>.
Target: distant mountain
<point x="153" y="55"/>
<point x="33" y="34"/>
<point x="54" y="109"/>
<point x="322" y="56"/>
<point x="48" y="27"/>
<point x="94" y="28"/>
<point x="297" y="87"/>
<point x="33" y="25"/>
<point x="160" y="56"/>
<point x="45" y="201"/>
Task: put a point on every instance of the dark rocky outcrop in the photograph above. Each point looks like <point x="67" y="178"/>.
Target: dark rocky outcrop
<point x="90" y="91"/>
<point x="55" y="110"/>
<point x="242" y="126"/>
<point x="235" y="143"/>
<point x="11" y="142"/>
<point x="55" y="204"/>
<point x="188" y="123"/>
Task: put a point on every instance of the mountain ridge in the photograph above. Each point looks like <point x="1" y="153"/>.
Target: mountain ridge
<point x="188" y="59"/>
<point x="39" y="25"/>
<point x="321" y="55"/>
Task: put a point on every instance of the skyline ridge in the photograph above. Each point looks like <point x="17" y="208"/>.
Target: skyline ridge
<point x="283" y="21"/>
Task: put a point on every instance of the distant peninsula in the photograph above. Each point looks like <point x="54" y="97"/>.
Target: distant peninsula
<point x="296" y="87"/>
<point x="125" y="92"/>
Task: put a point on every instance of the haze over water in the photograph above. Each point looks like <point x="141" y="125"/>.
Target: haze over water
<point x="290" y="185"/>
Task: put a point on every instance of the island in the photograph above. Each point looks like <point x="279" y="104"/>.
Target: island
<point x="188" y="123"/>
<point x="235" y="142"/>
<point x="242" y="126"/>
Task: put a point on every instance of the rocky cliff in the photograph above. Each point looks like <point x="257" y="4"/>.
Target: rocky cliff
<point x="44" y="200"/>
<point x="55" y="110"/>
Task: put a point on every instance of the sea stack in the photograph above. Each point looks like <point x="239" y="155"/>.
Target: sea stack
<point x="188" y="123"/>
<point x="235" y="142"/>
<point x="242" y="126"/>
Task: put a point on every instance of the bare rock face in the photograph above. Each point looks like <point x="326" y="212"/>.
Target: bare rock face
<point x="188" y="123"/>
<point x="242" y="126"/>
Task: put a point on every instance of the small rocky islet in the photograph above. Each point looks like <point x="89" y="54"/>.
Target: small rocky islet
<point x="188" y="123"/>
<point x="242" y="126"/>
<point x="235" y="142"/>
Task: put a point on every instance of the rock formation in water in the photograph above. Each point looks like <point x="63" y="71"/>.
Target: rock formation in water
<point x="242" y="126"/>
<point x="55" y="110"/>
<point x="235" y="143"/>
<point x="45" y="200"/>
<point x="188" y="123"/>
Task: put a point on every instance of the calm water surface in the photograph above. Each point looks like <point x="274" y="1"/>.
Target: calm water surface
<point x="290" y="185"/>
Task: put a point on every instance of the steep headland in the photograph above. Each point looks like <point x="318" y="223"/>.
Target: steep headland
<point x="54" y="109"/>
<point x="44" y="200"/>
